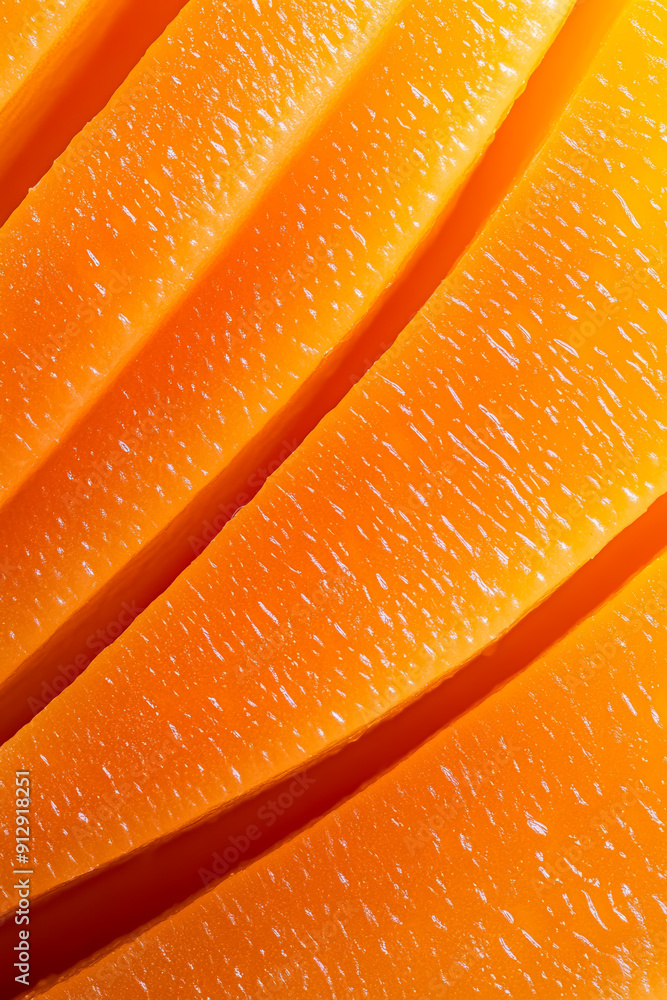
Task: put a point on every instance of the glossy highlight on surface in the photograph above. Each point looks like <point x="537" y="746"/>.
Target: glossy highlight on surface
<point x="332" y="512"/>
<point x="180" y="435"/>
<point x="60" y="62"/>
<point x="345" y="589"/>
<point x="521" y="852"/>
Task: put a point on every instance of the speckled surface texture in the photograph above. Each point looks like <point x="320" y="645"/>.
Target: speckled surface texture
<point x="110" y="239"/>
<point x="27" y="30"/>
<point x="520" y="854"/>
<point x="339" y="593"/>
<point x="311" y="260"/>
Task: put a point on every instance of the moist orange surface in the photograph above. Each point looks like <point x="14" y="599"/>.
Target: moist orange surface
<point x="520" y="852"/>
<point x="213" y="383"/>
<point x="514" y="429"/>
<point x="59" y="65"/>
<point x="108" y="242"/>
<point x="29" y="30"/>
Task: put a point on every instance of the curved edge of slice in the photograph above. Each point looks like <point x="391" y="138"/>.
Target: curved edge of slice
<point x="243" y="701"/>
<point x="166" y="496"/>
<point x="522" y="847"/>
<point x="80" y="298"/>
<point x="73" y="76"/>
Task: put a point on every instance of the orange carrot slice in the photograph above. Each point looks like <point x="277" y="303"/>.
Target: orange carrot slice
<point x="60" y="62"/>
<point x="511" y="431"/>
<point x="108" y="243"/>
<point x="205" y="399"/>
<point x="520" y="851"/>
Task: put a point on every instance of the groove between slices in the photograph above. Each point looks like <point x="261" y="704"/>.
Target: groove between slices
<point x="91" y="913"/>
<point x="143" y="199"/>
<point x="522" y="850"/>
<point x="345" y="589"/>
<point x="218" y="384"/>
<point x="59" y="65"/>
<point x="41" y="44"/>
<point x="527" y="127"/>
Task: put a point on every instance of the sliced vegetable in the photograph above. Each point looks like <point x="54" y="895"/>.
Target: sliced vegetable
<point x="187" y="432"/>
<point x="520" y="851"/>
<point x="514" y="429"/>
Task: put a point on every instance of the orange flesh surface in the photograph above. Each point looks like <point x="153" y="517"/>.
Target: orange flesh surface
<point x="226" y="367"/>
<point x="533" y="116"/>
<point x="59" y="64"/>
<point x="338" y="594"/>
<point x="150" y="190"/>
<point x="520" y="852"/>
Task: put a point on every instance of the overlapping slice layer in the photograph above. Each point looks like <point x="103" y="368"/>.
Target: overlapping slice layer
<point x="41" y="44"/>
<point x="33" y="32"/>
<point x="133" y="211"/>
<point x="520" y="853"/>
<point x="200" y="406"/>
<point x="59" y="64"/>
<point x="508" y="435"/>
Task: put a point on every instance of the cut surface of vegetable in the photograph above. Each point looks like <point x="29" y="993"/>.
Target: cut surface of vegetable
<point x="60" y="62"/>
<point x="41" y="43"/>
<point x="514" y="429"/>
<point x="106" y="246"/>
<point x="519" y="853"/>
<point x="206" y="397"/>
